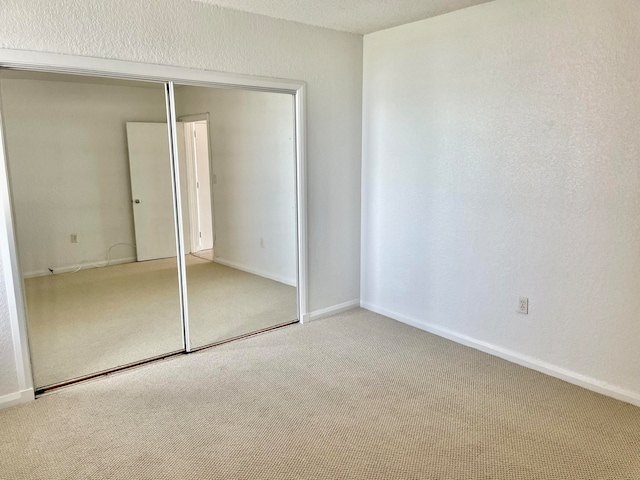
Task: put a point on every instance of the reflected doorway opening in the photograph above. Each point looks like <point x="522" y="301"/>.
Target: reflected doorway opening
<point x="199" y="185"/>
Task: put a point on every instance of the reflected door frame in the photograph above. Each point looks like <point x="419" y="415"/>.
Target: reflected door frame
<point x="73" y="64"/>
<point x="192" y="176"/>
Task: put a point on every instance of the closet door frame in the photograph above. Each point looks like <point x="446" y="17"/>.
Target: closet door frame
<point x="169" y="75"/>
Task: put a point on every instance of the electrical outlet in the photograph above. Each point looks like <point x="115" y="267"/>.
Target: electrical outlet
<point x="262" y="242"/>
<point x="523" y="305"/>
<point x="74" y="238"/>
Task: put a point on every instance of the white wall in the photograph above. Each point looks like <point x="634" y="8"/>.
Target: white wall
<point x="196" y="35"/>
<point x="500" y="159"/>
<point x="252" y="152"/>
<point x="68" y="159"/>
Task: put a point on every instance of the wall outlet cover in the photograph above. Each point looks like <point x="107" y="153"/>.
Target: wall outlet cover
<point x="523" y="305"/>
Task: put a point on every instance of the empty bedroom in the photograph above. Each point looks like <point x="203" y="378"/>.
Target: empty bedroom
<point x="320" y="240"/>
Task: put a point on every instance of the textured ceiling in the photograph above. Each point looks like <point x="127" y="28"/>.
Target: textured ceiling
<point x="355" y="16"/>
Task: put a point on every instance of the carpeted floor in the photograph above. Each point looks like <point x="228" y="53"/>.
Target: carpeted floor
<point x="101" y="318"/>
<point x="356" y="396"/>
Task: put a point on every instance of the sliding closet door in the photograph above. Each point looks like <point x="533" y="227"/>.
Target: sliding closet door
<point x="239" y="182"/>
<point x="95" y="302"/>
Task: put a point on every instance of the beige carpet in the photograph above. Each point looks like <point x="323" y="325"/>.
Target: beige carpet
<point x="98" y="319"/>
<point x="225" y="303"/>
<point x="357" y="396"/>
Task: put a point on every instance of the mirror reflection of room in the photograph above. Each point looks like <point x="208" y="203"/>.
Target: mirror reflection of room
<point x="90" y="178"/>
<point x="93" y="199"/>
<point x="239" y="182"/>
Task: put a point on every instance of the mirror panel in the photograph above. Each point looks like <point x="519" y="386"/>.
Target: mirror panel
<point x="90" y="178"/>
<point x="238" y="179"/>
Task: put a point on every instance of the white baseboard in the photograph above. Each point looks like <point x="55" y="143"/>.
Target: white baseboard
<point x="239" y="266"/>
<point x="575" y="378"/>
<point x="17" y="398"/>
<point x="327" y="312"/>
<point x="71" y="268"/>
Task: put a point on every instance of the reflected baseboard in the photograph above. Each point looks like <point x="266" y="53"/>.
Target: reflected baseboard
<point x="261" y="273"/>
<point x="71" y="268"/>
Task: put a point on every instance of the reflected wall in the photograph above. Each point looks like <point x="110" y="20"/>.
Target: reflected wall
<point x="92" y="196"/>
<point x="246" y="281"/>
<point x="91" y="305"/>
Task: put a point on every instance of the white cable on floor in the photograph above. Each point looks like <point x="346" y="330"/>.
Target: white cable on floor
<point x="84" y="263"/>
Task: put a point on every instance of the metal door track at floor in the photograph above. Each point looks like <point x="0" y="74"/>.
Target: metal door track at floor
<point x="105" y="373"/>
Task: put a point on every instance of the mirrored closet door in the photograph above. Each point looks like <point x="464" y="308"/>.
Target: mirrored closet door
<point x="107" y="187"/>
<point x="91" y="186"/>
<point x="239" y="188"/>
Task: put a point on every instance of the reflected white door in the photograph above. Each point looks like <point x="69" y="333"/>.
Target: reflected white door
<point x="150" y="167"/>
